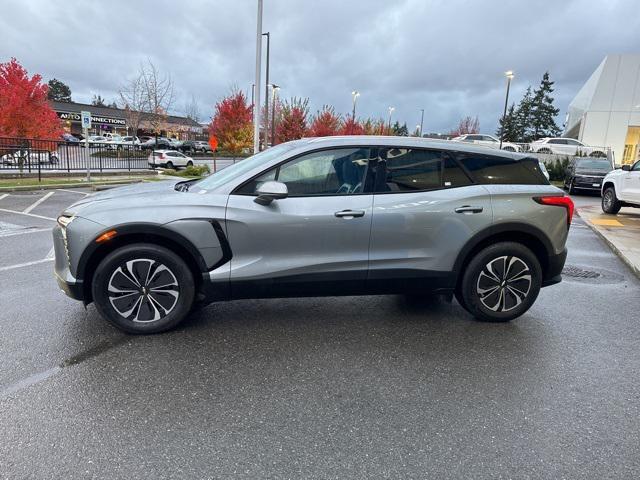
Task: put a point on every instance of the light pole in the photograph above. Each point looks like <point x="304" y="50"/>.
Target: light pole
<point x="274" y="93"/>
<point x="355" y="94"/>
<point x="421" y="120"/>
<point x="509" y="76"/>
<point x="418" y="130"/>
<point x="266" y="94"/>
<point x="391" y="109"/>
<point x="256" y="111"/>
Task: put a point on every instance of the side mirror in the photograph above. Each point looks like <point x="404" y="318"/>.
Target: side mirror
<point x="270" y="191"/>
<point x="626" y="167"/>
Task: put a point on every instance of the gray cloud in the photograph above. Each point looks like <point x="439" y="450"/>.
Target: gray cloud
<point x="447" y="57"/>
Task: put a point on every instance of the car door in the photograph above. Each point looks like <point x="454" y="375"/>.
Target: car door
<point x="631" y="184"/>
<point x="425" y="209"/>
<point x="313" y="242"/>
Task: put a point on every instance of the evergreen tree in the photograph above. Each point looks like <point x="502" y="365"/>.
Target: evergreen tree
<point x="509" y="125"/>
<point x="58" y="91"/>
<point x="400" y="131"/>
<point x="543" y="111"/>
<point x="524" y="118"/>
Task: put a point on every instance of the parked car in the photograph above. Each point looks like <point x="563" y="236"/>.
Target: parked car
<point x="70" y="139"/>
<point x="94" y="141"/>
<point x="347" y="215"/>
<point x="130" y="140"/>
<point x="487" y="141"/>
<point x="586" y="174"/>
<point x="193" y="146"/>
<point x="565" y="146"/>
<point x="169" y="159"/>
<point x="30" y="157"/>
<point x="621" y="188"/>
<point x="162" y="142"/>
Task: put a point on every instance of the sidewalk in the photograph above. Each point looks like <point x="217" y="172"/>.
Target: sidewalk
<point x="621" y="231"/>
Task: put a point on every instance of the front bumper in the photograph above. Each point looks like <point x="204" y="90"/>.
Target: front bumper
<point x="553" y="272"/>
<point x="73" y="290"/>
<point x="588" y="183"/>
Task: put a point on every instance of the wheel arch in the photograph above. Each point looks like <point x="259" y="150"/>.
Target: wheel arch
<point x="138" y="233"/>
<point x="527" y="235"/>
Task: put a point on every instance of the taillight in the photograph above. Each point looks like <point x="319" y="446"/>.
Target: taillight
<point x="558" y="201"/>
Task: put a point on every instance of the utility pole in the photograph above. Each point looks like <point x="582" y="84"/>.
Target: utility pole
<point x="421" y="120"/>
<point x="266" y="95"/>
<point x="256" y="104"/>
<point x="275" y="89"/>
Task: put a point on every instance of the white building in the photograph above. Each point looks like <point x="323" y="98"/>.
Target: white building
<point x="606" y="110"/>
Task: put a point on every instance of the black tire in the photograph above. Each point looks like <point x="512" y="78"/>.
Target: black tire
<point x="572" y="188"/>
<point x="493" y="297"/>
<point x="610" y="202"/>
<point x="189" y="163"/>
<point x="170" y="165"/>
<point x="136" y="312"/>
<point x="544" y="151"/>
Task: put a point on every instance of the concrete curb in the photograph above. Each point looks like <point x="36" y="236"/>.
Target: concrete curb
<point x="632" y="266"/>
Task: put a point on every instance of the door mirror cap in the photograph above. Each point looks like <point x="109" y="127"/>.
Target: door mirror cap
<point x="270" y="191"/>
<point x="626" y="168"/>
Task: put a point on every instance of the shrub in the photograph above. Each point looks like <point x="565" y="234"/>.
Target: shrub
<point x="192" y="171"/>
<point x="557" y="168"/>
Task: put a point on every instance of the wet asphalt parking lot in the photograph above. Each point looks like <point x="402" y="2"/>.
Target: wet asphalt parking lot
<point x="354" y="387"/>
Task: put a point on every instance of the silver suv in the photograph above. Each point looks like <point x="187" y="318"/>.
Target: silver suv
<point x="322" y="216"/>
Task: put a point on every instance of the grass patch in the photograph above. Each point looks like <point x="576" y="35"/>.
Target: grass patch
<point x="194" y="171"/>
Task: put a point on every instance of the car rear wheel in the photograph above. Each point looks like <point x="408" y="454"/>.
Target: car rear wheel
<point x="143" y="288"/>
<point x="572" y="188"/>
<point x="610" y="202"/>
<point x="544" y="151"/>
<point x="170" y="165"/>
<point x="501" y="282"/>
<point x="189" y="163"/>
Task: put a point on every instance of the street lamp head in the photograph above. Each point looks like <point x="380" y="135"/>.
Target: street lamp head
<point x="391" y="109"/>
<point x="355" y="93"/>
<point x="509" y="74"/>
<point x="275" y="87"/>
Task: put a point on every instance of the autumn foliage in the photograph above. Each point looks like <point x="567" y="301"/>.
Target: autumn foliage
<point x="325" y="123"/>
<point x="351" y="127"/>
<point x="466" y="125"/>
<point x="293" y="120"/>
<point x="232" y="123"/>
<point x="24" y="110"/>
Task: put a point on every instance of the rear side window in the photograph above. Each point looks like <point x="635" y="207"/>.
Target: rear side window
<point x="490" y="169"/>
<point x="407" y="169"/>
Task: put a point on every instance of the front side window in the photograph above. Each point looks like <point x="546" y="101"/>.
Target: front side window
<point x="636" y="167"/>
<point x="339" y="171"/>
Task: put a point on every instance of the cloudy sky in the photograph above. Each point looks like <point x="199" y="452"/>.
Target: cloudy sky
<point x="446" y="56"/>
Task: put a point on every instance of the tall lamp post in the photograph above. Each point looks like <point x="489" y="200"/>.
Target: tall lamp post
<point x="421" y="120"/>
<point x="266" y="94"/>
<point x="355" y="94"/>
<point x="509" y="76"/>
<point x="256" y="105"/>
<point x="274" y="93"/>
<point x="391" y="109"/>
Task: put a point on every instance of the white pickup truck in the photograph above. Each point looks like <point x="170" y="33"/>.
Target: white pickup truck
<point x="621" y="188"/>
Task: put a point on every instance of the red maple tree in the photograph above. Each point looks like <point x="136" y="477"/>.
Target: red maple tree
<point x="292" y="123"/>
<point x="466" y="125"/>
<point x="351" y="127"/>
<point x="24" y="109"/>
<point x="232" y="123"/>
<point x="325" y="123"/>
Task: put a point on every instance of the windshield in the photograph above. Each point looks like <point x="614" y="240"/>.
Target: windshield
<point x="590" y="164"/>
<point x="238" y="169"/>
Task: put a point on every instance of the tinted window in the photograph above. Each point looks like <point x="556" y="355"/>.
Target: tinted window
<point x="405" y="170"/>
<point x="503" y="170"/>
<point x="474" y="137"/>
<point x="487" y="138"/>
<point x="590" y="164"/>
<point x="328" y="172"/>
<point x="557" y="141"/>
<point x="453" y="175"/>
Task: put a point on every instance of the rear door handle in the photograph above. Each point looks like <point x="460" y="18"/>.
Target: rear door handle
<point x="350" y="213"/>
<point x="468" y="209"/>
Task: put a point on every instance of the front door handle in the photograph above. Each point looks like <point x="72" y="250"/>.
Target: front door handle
<point x="350" y="213"/>
<point x="468" y="209"/>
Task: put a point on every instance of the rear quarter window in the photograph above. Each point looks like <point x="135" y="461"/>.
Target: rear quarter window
<point x="489" y="169"/>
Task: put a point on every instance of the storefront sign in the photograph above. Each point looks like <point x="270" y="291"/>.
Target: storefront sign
<point x="76" y="117"/>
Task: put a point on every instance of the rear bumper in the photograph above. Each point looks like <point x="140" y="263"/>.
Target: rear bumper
<point x="555" y="264"/>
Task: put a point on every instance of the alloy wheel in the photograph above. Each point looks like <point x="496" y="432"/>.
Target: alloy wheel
<point x="143" y="290"/>
<point x="608" y="199"/>
<point x="504" y="283"/>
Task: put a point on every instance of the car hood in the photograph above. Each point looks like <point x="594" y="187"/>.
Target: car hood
<point x="154" y="202"/>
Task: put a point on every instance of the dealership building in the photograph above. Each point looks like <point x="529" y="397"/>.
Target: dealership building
<point x="115" y="120"/>
<point x="606" y="110"/>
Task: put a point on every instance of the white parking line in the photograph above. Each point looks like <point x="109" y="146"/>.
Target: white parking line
<point x="26" y="264"/>
<point x="25" y="231"/>
<point x="68" y="191"/>
<point x="27" y="214"/>
<point x="37" y="202"/>
<point x="4" y="195"/>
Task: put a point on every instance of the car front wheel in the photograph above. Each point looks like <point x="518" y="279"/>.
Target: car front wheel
<point x="610" y="202"/>
<point x="501" y="282"/>
<point x="143" y="288"/>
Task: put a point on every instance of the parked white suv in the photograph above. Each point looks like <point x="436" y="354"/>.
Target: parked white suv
<point x="169" y="159"/>
<point x="487" y="141"/>
<point x="565" y="146"/>
<point x="621" y="188"/>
